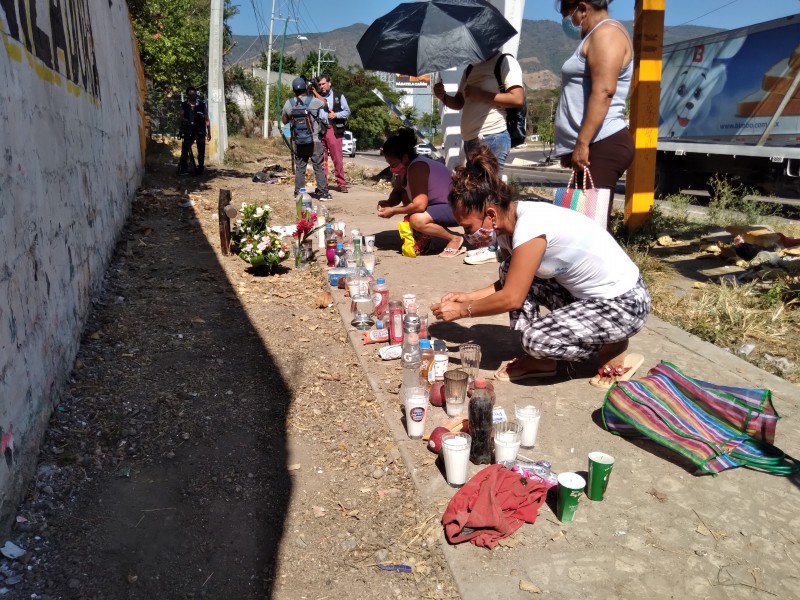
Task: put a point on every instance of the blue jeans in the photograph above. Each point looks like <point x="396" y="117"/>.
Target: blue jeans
<point x="498" y="143"/>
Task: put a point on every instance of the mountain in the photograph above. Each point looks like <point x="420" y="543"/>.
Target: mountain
<point x="543" y="47"/>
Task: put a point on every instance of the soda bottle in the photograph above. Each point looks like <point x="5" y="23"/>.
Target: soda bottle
<point x="380" y="295"/>
<point x="481" y="423"/>
<point x="395" y="321"/>
<point x="357" y="256"/>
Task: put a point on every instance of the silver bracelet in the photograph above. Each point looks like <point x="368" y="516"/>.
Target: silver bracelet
<point x="469" y="310"/>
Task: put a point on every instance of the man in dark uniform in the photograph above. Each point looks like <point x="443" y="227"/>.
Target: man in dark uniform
<point x="195" y="128"/>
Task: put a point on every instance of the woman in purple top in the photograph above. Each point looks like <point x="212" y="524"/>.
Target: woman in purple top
<point x="420" y="192"/>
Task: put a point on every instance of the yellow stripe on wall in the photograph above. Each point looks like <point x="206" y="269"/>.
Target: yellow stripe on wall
<point x="646" y="137"/>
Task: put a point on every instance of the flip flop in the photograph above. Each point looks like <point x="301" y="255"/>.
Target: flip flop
<point x="502" y="373"/>
<point x="628" y="369"/>
<point x="452" y="252"/>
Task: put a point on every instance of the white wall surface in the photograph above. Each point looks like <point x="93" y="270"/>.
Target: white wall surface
<point x="71" y="158"/>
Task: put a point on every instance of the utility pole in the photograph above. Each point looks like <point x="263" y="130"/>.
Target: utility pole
<point x="269" y="73"/>
<point x="269" y="65"/>
<point x="216" y="85"/>
<point x="321" y="61"/>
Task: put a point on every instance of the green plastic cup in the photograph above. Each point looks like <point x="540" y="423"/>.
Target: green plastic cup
<point x="600" y="465"/>
<point x="570" y="489"/>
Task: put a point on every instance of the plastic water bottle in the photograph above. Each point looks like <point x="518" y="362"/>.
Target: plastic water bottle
<point x="306" y="201"/>
<point x="411" y="356"/>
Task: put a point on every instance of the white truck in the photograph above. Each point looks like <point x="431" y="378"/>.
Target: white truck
<point x="730" y="104"/>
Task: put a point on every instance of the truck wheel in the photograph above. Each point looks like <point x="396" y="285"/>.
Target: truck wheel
<point x="666" y="182"/>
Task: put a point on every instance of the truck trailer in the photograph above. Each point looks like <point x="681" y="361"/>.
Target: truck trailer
<point x="730" y="104"/>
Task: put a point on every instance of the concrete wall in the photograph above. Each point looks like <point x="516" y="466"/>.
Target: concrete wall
<point x="72" y="141"/>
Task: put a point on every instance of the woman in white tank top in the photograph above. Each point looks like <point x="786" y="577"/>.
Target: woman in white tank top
<point x="590" y="121"/>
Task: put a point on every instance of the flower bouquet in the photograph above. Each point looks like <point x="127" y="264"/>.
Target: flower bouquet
<point x="306" y="227"/>
<point x="256" y="242"/>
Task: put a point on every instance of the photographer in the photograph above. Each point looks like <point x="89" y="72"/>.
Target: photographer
<point x="338" y="111"/>
<point x="195" y="128"/>
<point x="308" y="119"/>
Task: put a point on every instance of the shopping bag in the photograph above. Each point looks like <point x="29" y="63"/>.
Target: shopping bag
<point x="591" y="201"/>
<point x="407" y="237"/>
<point x="716" y="427"/>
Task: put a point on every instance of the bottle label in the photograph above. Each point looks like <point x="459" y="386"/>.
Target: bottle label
<point x="440" y="366"/>
<point x="417" y="414"/>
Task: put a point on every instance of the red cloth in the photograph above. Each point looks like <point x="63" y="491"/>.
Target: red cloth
<point x="494" y="504"/>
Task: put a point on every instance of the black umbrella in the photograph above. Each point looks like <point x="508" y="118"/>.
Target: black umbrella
<point x="424" y="37"/>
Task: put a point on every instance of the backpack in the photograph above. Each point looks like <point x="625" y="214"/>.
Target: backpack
<point x="516" y="118"/>
<point x="302" y="126"/>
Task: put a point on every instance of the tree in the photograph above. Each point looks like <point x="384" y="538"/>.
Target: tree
<point x="327" y="62"/>
<point x="289" y="62"/>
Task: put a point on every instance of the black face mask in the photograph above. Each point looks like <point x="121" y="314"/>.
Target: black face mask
<point x="192" y="97"/>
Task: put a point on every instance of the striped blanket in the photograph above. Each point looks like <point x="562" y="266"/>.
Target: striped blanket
<point x="716" y="427"/>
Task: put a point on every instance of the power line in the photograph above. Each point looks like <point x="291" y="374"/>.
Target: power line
<point x="701" y="16"/>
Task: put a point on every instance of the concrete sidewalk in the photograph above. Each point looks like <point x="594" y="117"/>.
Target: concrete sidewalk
<point x="662" y="531"/>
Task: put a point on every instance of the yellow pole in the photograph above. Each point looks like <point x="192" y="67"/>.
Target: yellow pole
<point x="648" y="34"/>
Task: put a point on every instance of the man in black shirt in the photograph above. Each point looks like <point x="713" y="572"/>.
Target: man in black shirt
<point x="195" y="127"/>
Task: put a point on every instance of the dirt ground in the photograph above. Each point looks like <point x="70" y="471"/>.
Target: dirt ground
<point x="216" y="438"/>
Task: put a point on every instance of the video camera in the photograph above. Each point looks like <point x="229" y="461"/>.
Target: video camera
<point x="314" y="83"/>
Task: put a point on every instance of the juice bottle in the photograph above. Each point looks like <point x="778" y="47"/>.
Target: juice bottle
<point x="426" y="371"/>
<point x="380" y="294"/>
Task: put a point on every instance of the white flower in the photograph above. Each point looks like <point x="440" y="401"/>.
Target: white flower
<point x="259" y="211"/>
<point x="248" y="248"/>
<point x="265" y="239"/>
<point x="262" y="246"/>
<point x="281" y="254"/>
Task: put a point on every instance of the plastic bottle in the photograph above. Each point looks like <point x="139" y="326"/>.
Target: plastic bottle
<point x="341" y="260"/>
<point x="306" y="201"/>
<point x="395" y="321"/>
<point x="440" y="360"/>
<point x="411" y="357"/>
<point x="481" y="423"/>
<point x="357" y="256"/>
<point x="380" y="296"/>
<point x="426" y="378"/>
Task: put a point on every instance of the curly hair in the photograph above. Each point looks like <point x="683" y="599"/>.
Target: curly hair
<point x="401" y="144"/>
<point x="478" y="183"/>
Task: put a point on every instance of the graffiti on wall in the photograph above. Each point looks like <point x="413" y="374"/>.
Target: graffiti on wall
<point x="57" y="41"/>
<point x="7" y="445"/>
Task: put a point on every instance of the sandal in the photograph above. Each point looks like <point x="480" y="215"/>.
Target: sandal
<point x="502" y="373"/>
<point x="450" y="252"/>
<point x="620" y="372"/>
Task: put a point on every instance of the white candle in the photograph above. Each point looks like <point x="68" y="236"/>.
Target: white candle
<point x="456" y="460"/>
<point x="416" y="410"/>
<point x="506" y="445"/>
<point x="528" y="417"/>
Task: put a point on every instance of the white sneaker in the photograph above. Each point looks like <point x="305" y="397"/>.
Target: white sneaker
<point x="480" y="256"/>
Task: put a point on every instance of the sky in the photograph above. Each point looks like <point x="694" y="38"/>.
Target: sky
<point x="320" y="16"/>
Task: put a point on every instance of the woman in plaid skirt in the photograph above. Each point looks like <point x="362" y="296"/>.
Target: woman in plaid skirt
<point x="553" y="257"/>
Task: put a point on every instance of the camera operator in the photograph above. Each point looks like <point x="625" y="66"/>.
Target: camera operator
<point x="338" y="111"/>
<point x="195" y="128"/>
